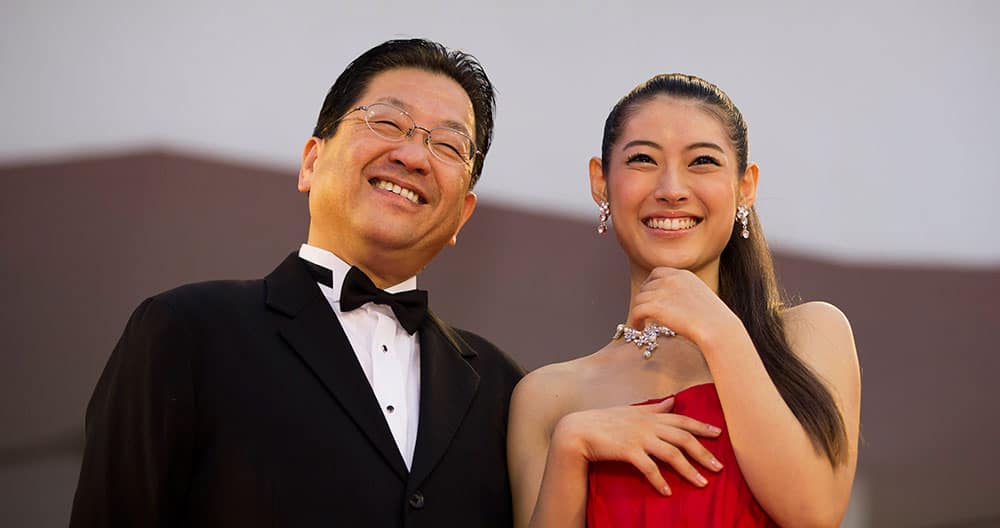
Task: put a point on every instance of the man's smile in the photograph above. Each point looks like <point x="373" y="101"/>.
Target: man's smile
<point x="405" y="192"/>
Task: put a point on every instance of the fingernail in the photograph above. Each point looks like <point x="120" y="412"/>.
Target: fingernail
<point x="701" y="479"/>
<point x="714" y="429"/>
<point x="666" y="490"/>
<point x="716" y="464"/>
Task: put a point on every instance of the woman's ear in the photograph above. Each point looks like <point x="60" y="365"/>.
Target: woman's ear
<point x="598" y="185"/>
<point x="748" y="185"/>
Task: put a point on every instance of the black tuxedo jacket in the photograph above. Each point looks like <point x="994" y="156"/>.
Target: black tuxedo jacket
<point x="242" y="404"/>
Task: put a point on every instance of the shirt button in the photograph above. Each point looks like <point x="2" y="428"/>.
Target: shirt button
<point x="385" y="348"/>
<point x="390" y="408"/>
<point x="417" y="500"/>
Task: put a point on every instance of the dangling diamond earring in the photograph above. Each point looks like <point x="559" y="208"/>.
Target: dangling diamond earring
<point x="742" y="214"/>
<point x="602" y="224"/>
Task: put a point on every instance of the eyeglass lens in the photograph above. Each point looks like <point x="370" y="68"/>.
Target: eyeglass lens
<point x="393" y="124"/>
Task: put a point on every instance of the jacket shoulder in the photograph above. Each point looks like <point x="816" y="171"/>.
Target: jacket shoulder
<point x="490" y="353"/>
<point x="212" y="295"/>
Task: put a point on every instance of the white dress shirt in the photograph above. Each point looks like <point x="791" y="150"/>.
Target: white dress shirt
<point x="389" y="356"/>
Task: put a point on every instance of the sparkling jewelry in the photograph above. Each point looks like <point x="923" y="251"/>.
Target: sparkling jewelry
<point x="645" y="340"/>
<point x="742" y="214"/>
<point x="602" y="224"/>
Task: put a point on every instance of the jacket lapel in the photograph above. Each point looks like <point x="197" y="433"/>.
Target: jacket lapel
<point x="314" y="333"/>
<point x="447" y="386"/>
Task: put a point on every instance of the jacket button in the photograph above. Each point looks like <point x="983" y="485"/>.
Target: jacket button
<point x="417" y="500"/>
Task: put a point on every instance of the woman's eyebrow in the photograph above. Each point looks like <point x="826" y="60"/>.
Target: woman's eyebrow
<point x="705" y="144"/>
<point x="642" y="143"/>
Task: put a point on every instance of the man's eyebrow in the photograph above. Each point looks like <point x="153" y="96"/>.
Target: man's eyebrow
<point x="457" y="126"/>
<point x="395" y="102"/>
<point x="449" y="123"/>
<point x="705" y="144"/>
<point x="642" y="143"/>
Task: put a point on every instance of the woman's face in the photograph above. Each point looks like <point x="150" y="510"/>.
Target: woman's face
<point x="673" y="186"/>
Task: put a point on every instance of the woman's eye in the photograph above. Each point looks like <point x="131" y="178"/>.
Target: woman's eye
<point x="639" y="158"/>
<point x="702" y="160"/>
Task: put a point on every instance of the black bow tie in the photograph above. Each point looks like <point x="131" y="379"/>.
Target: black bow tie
<point x="410" y="307"/>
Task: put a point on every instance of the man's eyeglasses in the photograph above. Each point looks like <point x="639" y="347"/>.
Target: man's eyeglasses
<point x="395" y="124"/>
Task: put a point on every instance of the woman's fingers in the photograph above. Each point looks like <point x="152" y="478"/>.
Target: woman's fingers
<point x="641" y="435"/>
<point x="675" y="442"/>
<point x="681" y="431"/>
<point x="689" y="424"/>
<point x="645" y="312"/>
<point x="673" y="456"/>
<point x="650" y="470"/>
<point x="662" y="407"/>
<point x="637" y="318"/>
<point x="674" y="447"/>
<point x="690" y="445"/>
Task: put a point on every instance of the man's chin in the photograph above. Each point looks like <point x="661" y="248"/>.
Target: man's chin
<point x="396" y="239"/>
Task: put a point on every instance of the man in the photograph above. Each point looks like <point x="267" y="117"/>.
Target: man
<point x="312" y="397"/>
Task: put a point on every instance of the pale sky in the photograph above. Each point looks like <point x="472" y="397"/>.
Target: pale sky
<point x="874" y="125"/>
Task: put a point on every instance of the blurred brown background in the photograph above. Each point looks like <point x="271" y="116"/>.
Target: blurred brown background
<point x="85" y="240"/>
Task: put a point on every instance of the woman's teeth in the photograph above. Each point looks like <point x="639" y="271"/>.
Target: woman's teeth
<point x="672" y="224"/>
<point x="392" y="187"/>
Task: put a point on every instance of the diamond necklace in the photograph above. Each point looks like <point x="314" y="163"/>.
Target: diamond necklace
<point x="645" y="340"/>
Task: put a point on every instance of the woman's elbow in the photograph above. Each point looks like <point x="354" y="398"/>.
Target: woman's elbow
<point x="814" y="516"/>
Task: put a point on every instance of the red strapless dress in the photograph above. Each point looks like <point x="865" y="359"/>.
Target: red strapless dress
<point x="620" y="496"/>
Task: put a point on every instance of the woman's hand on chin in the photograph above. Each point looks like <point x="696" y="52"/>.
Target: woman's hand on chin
<point x="681" y="301"/>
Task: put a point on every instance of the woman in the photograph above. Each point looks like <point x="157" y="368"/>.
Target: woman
<point x="761" y="424"/>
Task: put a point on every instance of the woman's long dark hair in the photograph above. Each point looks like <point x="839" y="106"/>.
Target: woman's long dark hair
<point x="747" y="283"/>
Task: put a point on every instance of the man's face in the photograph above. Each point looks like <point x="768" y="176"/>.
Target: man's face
<point x="374" y="199"/>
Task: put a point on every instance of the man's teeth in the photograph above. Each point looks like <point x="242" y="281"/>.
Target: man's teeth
<point x="405" y="193"/>
<point x="672" y="224"/>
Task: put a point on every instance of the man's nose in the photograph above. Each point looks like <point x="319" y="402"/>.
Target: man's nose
<point x="412" y="152"/>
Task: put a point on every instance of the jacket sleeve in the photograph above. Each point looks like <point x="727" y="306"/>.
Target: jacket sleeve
<point x="140" y="427"/>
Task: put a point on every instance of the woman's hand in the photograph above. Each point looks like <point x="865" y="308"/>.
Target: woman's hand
<point x="637" y="434"/>
<point x="681" y="301"/>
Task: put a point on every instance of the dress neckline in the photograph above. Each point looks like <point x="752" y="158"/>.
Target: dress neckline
<point x="697" y="386"/>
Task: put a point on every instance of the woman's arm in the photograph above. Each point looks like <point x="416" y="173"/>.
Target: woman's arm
<point x="549" y="450"/>
<point x="795" y="483"/>
<point x="534" y="408"/>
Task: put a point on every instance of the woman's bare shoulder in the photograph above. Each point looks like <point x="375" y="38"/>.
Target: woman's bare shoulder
<point x="549" y="392"/>
<point x="817" y="319"/>
<point x="556" y="380"/>
<point x="821" y="336"/>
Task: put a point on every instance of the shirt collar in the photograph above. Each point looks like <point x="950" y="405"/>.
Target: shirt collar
<point x="326" y="259"/>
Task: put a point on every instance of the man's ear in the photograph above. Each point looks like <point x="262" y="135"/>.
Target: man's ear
<point x="748" y="185"/>
<point x="467" y="208"/>
<point x="309" y="154"/>
<point x="598" y="184"/>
